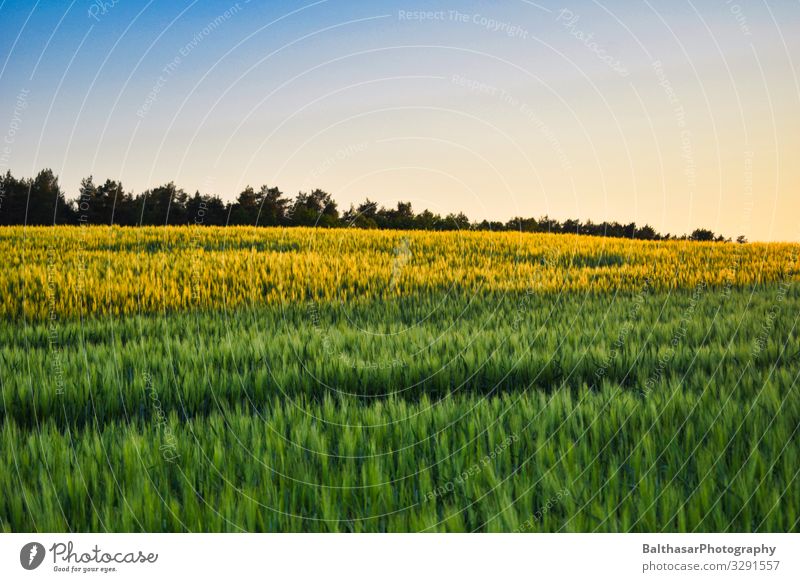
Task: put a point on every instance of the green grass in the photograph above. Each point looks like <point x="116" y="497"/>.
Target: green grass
<point x="643" y="412"/>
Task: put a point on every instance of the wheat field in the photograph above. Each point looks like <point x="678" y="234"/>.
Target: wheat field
<point x="298" y="379"/>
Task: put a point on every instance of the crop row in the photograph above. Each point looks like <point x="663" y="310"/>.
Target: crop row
<point x="71" y="272"/>
<point x="74" y="373"/>
<point x="591" y="461"/>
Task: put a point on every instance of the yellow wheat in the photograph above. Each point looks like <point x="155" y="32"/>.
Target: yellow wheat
<point x="82" y="271"/>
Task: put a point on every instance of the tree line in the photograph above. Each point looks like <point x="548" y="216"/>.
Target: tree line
<point x="41" y="201"/>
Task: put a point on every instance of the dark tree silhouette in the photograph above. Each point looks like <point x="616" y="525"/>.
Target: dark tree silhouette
<point x="40" y="201"/>
<point x="702" y="234"/>
<point x="36" y="202"/>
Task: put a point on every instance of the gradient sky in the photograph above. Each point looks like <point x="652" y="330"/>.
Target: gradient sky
<point x="678" y="114"/>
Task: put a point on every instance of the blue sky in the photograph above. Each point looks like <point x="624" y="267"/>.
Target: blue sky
<point x="677" y="114"/>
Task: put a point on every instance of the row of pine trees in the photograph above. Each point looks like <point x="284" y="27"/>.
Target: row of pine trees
<point x="41" y="201"/>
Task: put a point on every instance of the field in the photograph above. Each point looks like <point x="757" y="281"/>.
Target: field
<point x="241" y="379"/>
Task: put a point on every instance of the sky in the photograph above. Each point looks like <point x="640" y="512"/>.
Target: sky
<point x="679" y="114"/>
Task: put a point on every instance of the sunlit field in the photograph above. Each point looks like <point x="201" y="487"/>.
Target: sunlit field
<point x="243" y="379"/>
